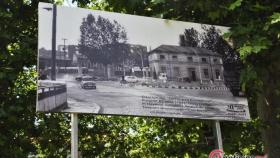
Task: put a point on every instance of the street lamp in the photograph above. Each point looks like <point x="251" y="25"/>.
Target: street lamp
<point x="53" y="61"/>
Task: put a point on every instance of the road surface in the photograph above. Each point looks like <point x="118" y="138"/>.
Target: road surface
<point x="111" y="97"/>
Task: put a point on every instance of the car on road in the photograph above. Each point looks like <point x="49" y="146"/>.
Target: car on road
<point x="131" y="79"/>
<point x="87" y="82"/>
<point x="79" y="77"/>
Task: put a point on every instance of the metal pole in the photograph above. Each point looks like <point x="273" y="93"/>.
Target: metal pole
<point x="142" y="66"/>
<point x="123" y="69"/>
<point x="211" y="69"/>
<point x="218" y="135"/>
<point x="199" y="70"/>
<point x="74" y="135"/>
<point x="123" y="64"/>
<point x="53" y="67"/>
<point x="64" y="52"/>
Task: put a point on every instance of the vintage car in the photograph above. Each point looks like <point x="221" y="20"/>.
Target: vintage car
<point x="79" y="77"/>
<point x="87" y="82"/>
<point x="131" y="79"/>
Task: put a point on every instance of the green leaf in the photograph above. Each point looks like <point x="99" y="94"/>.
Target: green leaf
<point x="257" y="45"/>
<point x="59" y="2"/>
<point x="275" y="18"/>
<point x="157" y="1"/>
<point x="245" y="51"/>
<point x="214" y="15"/>
<point x="227" y="35"/>
<point x="2" y="75"/>
<point x="235" y="4"/>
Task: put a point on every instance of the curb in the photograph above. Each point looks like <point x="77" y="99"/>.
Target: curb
<point x="181" y="87"/>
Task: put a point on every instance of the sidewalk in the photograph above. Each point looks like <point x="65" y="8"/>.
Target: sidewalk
<point x="81" y="106"/>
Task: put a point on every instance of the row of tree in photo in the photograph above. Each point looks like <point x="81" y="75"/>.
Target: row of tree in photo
<point x="212" y="39"/>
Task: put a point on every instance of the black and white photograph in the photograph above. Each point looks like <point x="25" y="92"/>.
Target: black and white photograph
<point x="99" y="62"/>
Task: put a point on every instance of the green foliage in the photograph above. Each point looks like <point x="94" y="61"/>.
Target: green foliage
<point x="234" y="5"/>
<point x="254" y="32"/>
<point x="18" y="42"/>
<point x="275" y="18"/>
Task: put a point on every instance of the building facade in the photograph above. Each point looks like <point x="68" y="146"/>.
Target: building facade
<point x="186" y="64"/>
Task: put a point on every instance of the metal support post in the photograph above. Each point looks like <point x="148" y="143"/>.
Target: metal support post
<point x="218" y="135"/>
<point x="74" y="135"/>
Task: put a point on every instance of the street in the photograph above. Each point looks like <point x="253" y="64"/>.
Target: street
<point x="111" y="97"/>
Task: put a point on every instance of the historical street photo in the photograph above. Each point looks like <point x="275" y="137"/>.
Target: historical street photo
<point x="101" y="62"/>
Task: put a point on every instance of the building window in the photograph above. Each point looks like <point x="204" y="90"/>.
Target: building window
<point x="161" y="57"/>
<point x="218" y="74"/>
<point x="174" y="57"/>
<point x="163" y="69"/>
<point x="190" y="59"/>
<point x="215" y="60"/>
<point x="204" y="60"/>
<point x="206" y="73"/>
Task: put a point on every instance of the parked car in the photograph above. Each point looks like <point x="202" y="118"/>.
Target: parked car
<point x="79" y="77"/>
<point x="131" y="79"/>
<point x="95" y="78"/>
<point x="87" y="82"/>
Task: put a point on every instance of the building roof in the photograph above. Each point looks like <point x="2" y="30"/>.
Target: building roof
<point x="183" y="50"/>
<point x="47" y="54"/>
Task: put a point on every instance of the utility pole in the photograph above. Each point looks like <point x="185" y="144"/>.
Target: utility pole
<point x="64" y="52"/>
<point x="53" y="59"/>
<point x="142" y="66"/>
<point x="53" y="70"/>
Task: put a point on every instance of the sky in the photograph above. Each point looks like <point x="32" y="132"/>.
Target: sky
<point x="147" y="31"/>
<point x="69" y="3"/>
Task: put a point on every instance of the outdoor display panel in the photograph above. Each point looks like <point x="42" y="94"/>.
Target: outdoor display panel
<point x="109" y="63"/>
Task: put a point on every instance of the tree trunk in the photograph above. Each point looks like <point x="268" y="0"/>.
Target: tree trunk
<point x="269" y="112"/>
<point x="107" y="72"/>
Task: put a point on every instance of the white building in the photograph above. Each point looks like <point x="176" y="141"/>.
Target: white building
<point x="186" y="64"/>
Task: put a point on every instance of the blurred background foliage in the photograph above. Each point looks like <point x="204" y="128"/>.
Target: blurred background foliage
<point x="254" y="33"/>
